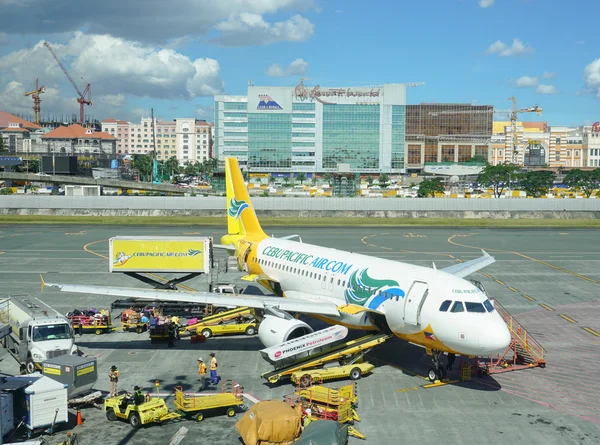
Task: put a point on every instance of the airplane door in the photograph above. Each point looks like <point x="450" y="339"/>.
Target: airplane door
<point x="414" y="302"/>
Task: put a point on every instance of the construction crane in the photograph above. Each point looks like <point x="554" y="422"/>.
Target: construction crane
<point x="82" y="99"/>
<point x="513" y="112"/>
<point x="35" y="95"/>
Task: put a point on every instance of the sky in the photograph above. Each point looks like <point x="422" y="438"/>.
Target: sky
<point x="174" y="56"/>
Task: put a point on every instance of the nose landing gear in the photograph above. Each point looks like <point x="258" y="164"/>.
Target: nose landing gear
<point x="437" y="371"/>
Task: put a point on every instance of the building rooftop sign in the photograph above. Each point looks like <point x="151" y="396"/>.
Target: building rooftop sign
<point x="302" y="93"/>
<point x="596" y="127"/>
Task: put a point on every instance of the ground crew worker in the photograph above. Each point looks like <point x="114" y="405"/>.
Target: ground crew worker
<point x="138" y="396"/>
<point x="451" y="358"/>
<point x="113" y="375"/>
<point x="175" y="320"/>
<point x="213" y="369"/>
<point x="202" y="372"/>
<point x="171" y="332"/>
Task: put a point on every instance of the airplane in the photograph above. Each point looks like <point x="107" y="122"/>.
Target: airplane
<point x="437" y="309"/>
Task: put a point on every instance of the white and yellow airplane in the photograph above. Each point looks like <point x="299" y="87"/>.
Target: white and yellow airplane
<point x="436" y="309"/>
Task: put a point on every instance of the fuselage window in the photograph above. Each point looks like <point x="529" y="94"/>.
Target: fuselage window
<point x="338" y="282"/>
<point x="474" y="307"/>
<point x="488" y="305"/>
<point x="331" y="280"/>
<point x="458" y="307"/>
<point x="445" y="305"/>
<point x="344" y="283"/>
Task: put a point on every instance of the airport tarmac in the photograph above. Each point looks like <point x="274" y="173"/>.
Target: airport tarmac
<point x="548" y="278"/>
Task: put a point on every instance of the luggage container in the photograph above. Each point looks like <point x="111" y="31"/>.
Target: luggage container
<point x="78" y="373"/>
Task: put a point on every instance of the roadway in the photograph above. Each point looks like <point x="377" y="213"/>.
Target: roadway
<point x="84" y="180"/>
<point x="548" y="278"/>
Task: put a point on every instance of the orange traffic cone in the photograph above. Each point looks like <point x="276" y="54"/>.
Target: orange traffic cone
<point x="79" y="419"/>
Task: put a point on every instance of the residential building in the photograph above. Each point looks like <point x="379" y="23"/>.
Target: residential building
<point x="16" y="132"/>
<point x="187" y="139"/>
<point x="591" y="145"/>
<point x="313" y="129"/>
<point x="533" y="141"/>
<point x="77" y="140"/>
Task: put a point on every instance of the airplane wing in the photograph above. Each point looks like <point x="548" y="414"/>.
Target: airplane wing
<point x="468" y="267"/>
<point x="308" y="305"/>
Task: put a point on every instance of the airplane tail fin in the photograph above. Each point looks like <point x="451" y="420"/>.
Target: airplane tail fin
<point x="241" y="218"/>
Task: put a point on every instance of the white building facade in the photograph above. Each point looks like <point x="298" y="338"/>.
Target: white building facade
<point x="313" y="129"/>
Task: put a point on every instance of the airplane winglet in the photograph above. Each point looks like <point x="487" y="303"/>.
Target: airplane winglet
<point x="434" y="268"/>
<point x="43" y="283"/>
<point x="485" y="254"/>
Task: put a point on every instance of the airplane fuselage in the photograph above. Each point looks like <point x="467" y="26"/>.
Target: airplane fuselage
<point x="408" y="296"/>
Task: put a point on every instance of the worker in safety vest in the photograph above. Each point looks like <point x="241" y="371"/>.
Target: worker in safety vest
<point x="213" y="369"/>
<point x="113" y="375"/>
<point x="138" y="396"/>
<point x="202" y="372"/>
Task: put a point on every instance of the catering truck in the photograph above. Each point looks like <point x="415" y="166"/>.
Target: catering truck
<point x="166" y="254"/>
<point x="37" y="332"/>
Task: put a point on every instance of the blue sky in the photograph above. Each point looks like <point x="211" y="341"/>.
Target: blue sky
<point x="175" y="58"/>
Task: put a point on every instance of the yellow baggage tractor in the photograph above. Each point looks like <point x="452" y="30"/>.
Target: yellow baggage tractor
<point x="197" y="406"/>
<point x="153" y="410"/>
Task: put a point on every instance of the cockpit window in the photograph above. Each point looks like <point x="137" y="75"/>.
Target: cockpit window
<point x="445" y="305"/>
<point x="458" y="307"/>
<point x="474" y="307"/>
<point x="488" y="305"/>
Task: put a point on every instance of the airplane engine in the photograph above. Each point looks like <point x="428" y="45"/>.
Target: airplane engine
<point x="278" y="327"/>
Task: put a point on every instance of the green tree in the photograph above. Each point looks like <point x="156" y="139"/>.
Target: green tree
<point x="33" y="165"/>
<point x="191" y="169"/>
<point x="3" y="148"/>
<point x="384" y="180"/>
<point x="537" y="183"/>
<point x="370" y="180"/>
<point x="301" y="177"/>
<point x="286" y="180"/>
<point x="328" y="177"/>
<point x="143" y="164"/>
<point x="428" y="187"/>
<point x="498" y="177"/>
<point x="586" y="181"/>
<point x="171" y="166"/>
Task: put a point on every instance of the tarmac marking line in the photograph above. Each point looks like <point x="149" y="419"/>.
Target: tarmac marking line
<point x="529" y="298"/>
<point x="545" y="306"/>
<point x="386" y="248"/>
<point x="439" y="383"/>
<point x="414" y="388"/>
<point x="591" y="331"/>
<point x="569" y="319"/>
<point x="2" y="253"/>
<point x="513" y="289"/>
<point x="500" y="282"/>
<point x="488" y="275"/>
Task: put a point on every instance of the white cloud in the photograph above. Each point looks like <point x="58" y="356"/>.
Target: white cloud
<point x="486" y="3"/>
<point x="518" y="48"/>
<point x="549" y="75"/>
<point x="527" y="82"/>
<point x="546" y="89"/>
<point x="580" y="42"/>
<point x="251" y="29"/>
<point x="591" y="77"/>
<point x="207" y="113"/>
<point x="139" y="20"/>
<point x="298" y="67"/>
<point x="117" y="70"/>
<point x="3" y="38"/>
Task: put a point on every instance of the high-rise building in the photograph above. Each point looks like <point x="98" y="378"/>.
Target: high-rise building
<point x="440" y="132"/>
<point x="187" y="139"/>
<point x="591" y="145"/>
<point x="313" y="129"/>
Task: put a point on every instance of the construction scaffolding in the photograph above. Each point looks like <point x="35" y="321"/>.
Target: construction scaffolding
<point x="524" y="351"/>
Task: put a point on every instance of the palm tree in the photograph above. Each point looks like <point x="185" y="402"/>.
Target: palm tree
<point x="301" y="177"/>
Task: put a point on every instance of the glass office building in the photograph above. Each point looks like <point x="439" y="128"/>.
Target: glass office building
<point x="313" y="129"/>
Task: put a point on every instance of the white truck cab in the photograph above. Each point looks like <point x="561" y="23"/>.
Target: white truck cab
<point x="37" y="332"/>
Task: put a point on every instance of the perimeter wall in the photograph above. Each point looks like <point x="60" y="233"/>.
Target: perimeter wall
<point x="302" y="207"/>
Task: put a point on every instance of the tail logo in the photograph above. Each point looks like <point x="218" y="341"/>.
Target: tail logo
<point x="236" y="208"/>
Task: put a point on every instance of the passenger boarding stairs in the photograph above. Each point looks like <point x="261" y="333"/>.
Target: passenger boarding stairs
<point x="524" y="351"/>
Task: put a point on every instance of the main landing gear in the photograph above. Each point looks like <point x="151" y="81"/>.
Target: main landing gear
<point x="437" y="371"/>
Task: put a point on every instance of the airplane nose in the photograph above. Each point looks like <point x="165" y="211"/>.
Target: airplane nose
<point x="496" y="339"/>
